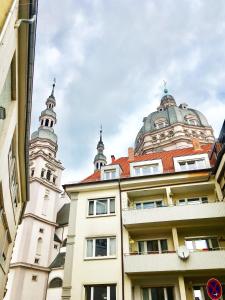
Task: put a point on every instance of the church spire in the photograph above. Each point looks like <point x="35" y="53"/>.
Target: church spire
<point x="100" y="158"/>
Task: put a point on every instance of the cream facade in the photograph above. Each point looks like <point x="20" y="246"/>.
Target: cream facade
<point x="16" y="75"/>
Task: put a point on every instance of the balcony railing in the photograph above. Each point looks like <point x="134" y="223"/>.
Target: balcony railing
<point x="173" y="213"/>
<point x="170" y="261"/>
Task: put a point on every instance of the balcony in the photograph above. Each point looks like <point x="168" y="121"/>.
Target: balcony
<point x="173" y="214"/>
<point x="170" y="262"/>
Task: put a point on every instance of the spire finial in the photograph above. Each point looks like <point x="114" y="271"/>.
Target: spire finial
<point x="165" y="87"/>
<point x="53" y="87"/>
<point x="101" y="132"/>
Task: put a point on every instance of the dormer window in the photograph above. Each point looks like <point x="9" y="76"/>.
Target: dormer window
<point x="192" y="162"/>
<point x="110" y="172"/>
<point x="192" y="120"/>
<point x="144" y="168"/>
<point x="161" y="123"/>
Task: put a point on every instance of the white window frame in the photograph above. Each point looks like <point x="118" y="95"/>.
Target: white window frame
<point x="108" y="290"/>
<point x="187" y="200"/>
<point x="94" y="247"/>
<point x="164" y="290"/>
<point x="95" y="210"/>
<point x="159" y="244"/>
<point x="148" y="201"/>
<point x="110" y="168"/>
<point x="194" y="239"/>
<point x="146" y="163"/>
<point x="194" y="157"/>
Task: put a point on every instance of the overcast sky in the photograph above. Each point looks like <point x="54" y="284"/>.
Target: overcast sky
<point x="110" y="58"/>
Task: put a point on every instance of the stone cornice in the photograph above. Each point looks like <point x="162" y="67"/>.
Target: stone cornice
<point x="29" y="266"/>
<point x="51" y="160"/>
<point x="33" y="216"/>
<point x="45" y="183"/>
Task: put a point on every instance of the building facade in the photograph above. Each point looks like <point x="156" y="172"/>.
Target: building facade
<point x="17" y="42"/>
<point x="40" y="236"/>
<point x="147" y="226"/>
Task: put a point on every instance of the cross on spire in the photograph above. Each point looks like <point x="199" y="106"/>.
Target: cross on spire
<point x="53" y="86"/>
<point x="165" y="87"/>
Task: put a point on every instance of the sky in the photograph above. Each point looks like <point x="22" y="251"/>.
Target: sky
<point x="110" y="57"/>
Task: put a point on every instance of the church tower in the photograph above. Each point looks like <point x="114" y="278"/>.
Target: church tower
<point x="100" y="158"/>
<point x="32" y="253"/>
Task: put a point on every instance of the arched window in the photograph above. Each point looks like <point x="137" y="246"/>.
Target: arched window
<point x="48" y="175"/>
<point x="64" y="243"/>
<point x="45" y="205"/>
<point x="55" y="283"/>
<point x="39" y="246"/>
<point x="46" y="122"/>
<point x="42" y="121"/>
<point x="51" y="123"/>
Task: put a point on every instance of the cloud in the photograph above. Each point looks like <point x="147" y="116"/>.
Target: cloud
<point x="110" y="58"/>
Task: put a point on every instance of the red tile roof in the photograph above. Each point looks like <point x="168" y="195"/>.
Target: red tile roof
<point x="165" y="156"/>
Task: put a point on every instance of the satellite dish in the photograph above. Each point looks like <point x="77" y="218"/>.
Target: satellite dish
<point x="183" y="252"/>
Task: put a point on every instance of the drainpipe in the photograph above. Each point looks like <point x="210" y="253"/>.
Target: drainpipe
<point x="121" y="236"/>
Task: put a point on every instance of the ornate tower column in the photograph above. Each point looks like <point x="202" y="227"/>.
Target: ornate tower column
<point x="100" y="158"/>
<point x="32" y="253"/>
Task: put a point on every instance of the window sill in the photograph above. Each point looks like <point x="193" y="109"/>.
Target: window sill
<point x="100" y="216"/>
<point x="99" y="258"/>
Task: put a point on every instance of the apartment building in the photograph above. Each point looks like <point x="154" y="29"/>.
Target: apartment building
<point x="148" y="226"/>
<point x="17" y="42"/>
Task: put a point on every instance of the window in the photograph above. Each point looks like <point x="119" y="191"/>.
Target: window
<point x="161" y="123"/>
<point x="34" y="277"/>
<point x="41" y="230"/>
<point x="109" y="174"/>
<point x="158" y="293"/>
<point x="39" y="246"/>
<point x="42" y="173"/>
<point x="54" y="179"/>
<point x="48" y="175"/>
<point x="191" y="120"/>
<point x="98" y="247"/>
<point x="100" y="292"/>
<point x="200" y="293"/>
<point x="104" y="206"/>
<point x="32" y="173"/>
<point x="55" y="283"/>
<point x="64" y="243"/>
<point x="196" y="200"/>
<point x="146" y="170"/>
<point x="192" y="164"/>
<point x="55" y="246"/>
<point x="201" y="243"/>
<point x="36" y="260"/>
<point x="152" y="246"/>
<point x="148" y="204"/>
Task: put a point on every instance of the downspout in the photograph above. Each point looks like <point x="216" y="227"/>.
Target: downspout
<point x="121" y="241"/>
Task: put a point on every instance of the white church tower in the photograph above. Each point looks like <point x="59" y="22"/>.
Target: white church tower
<point x="28" y="277"/>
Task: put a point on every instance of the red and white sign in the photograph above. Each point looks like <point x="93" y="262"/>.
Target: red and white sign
<point x="214" y="288"/>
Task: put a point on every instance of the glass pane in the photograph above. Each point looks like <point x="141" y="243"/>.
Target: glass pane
<point x="153" y="246"/>
<point x="158" y="203"/>
<point x="100" y="292"/>
<point x="182" y="202"/>
<point x="194" y="201"/>
<point x="149" y="204"/>
<point x="197" y="293"/>
<point x="182" y="166"/>
<point x="112" y="292"/>
<point x="155" y="169"/>
<point x="146" y="170"/>
<point x="204" y="200"/>
<point x="91" y="208"/>
<point x="201" y="164"/>
<point x="101" y="207"/>
<point x="112" y="206"/>
<point x="169" y="291"/>
<point x="87" y="293"/>
<point x="157" y="293"/>
<point x="137" y="171"/>
<point x="145" y="294"/>
<point x="164" y="246"/>
<point x="215" y="244"/>
<point x="138" y="205"/>
<point x="101" y="247"/>
<point x="113" y="174"/>
<point x="141" y="247"/>
<point x="189" y="245"/>
<point x="112" y="246"/>
<point x="201" y="244"/>
<point x="89" y="248"/>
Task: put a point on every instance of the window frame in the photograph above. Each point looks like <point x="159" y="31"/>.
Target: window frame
<point x="93" y="239"/>
<point x="165" y="293"/>
<point x="146" y="163"/>
<point x="108" y="286"/>
<point x="160" y="251"/>
<point x="186" y="201"/>
<point x="206" y="238"/>
<point x="195" y="157"/>
<point x="94" y="215"/>
<point x="148" y="201"/>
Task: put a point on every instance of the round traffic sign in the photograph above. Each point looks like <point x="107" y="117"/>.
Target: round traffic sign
<point x="214" y="288"/>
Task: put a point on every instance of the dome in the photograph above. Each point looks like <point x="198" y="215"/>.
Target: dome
<point x="99" y="157"/>
<point x="48" y="112"/>
<point x="168" y="114"/>
<point x="45" y="134"/>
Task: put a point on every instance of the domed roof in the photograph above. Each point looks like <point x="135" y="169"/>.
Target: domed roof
<point x="99" y="156"/>
<point x="168" y="114"/>
<point x="45" y="134"/>
<point x="48" y="112"/>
